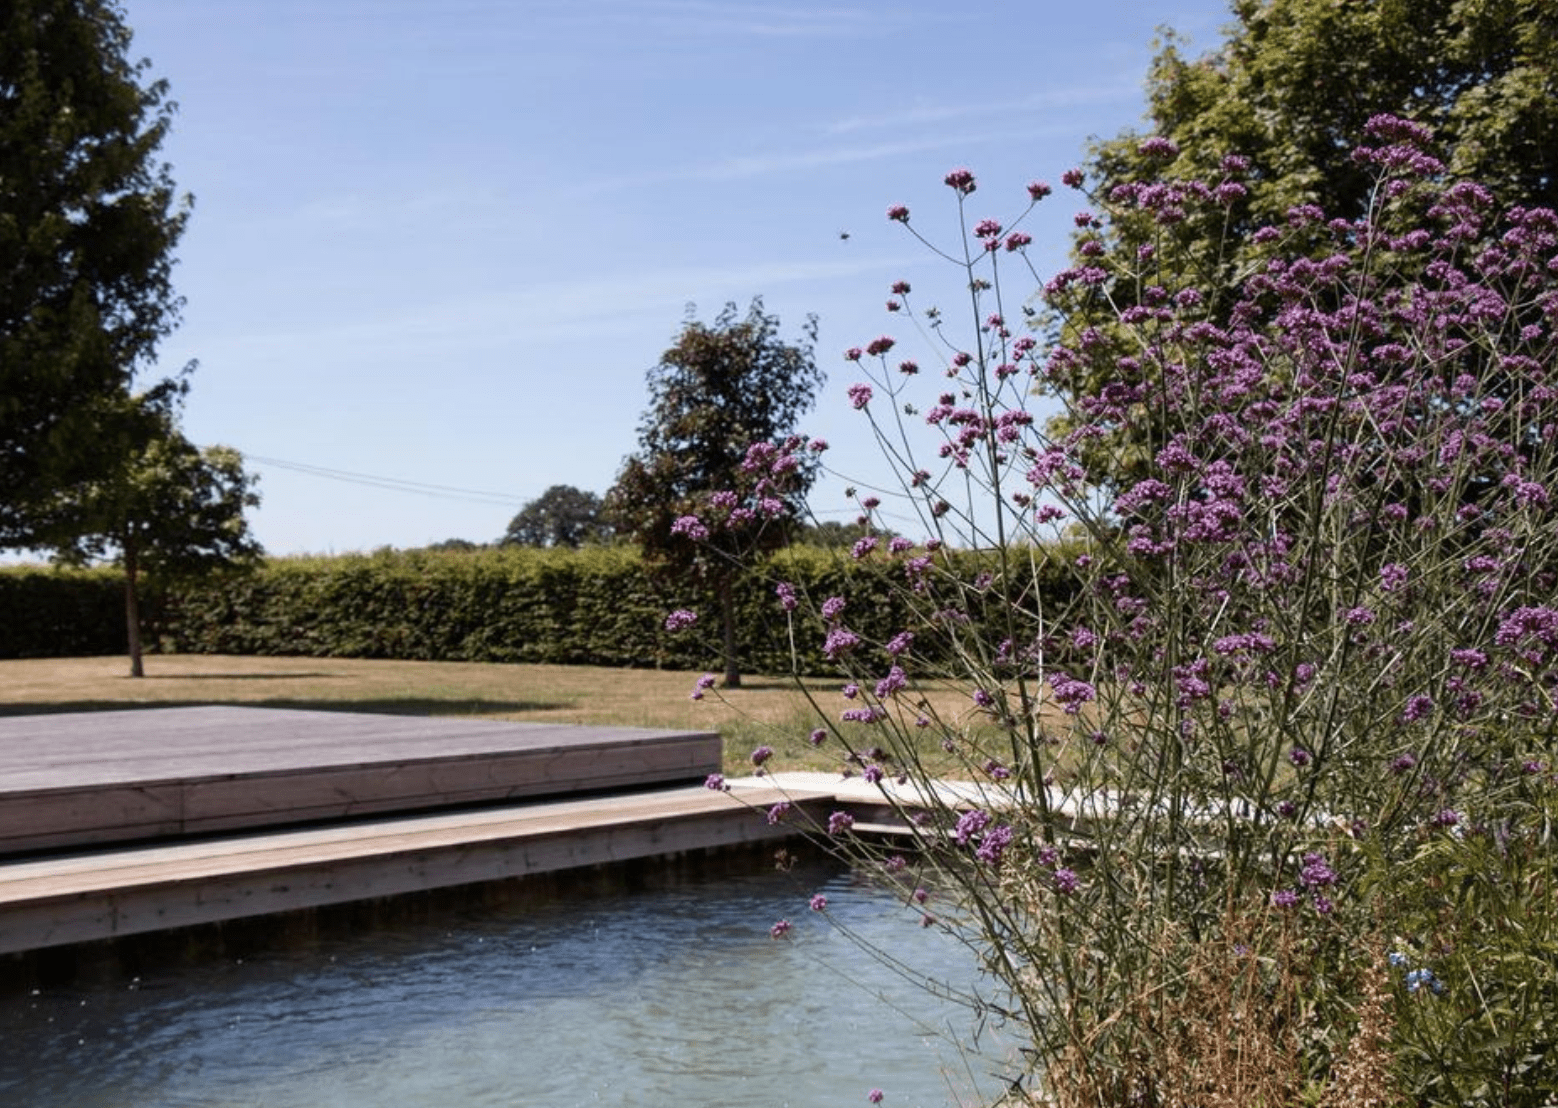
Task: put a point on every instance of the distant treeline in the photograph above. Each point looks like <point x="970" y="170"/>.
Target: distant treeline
<point x="594" y="606"/>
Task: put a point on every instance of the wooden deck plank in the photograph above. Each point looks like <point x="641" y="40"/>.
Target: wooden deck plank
<point x="48" y="902"/>
<point x="81" y="778"/>
<point x="160" y="744"/>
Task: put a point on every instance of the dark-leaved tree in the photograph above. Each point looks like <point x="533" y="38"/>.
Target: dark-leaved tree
<point x="171" y="510"/>
<point x="88" y="221"/>
<point x="560" y="516"/>
<point x="719" y="390"/>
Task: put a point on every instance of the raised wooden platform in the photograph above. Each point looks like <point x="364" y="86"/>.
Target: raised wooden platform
<point x="107" y="894"/>
<point x="119" y="823"/>
<point x="84" y="778"/>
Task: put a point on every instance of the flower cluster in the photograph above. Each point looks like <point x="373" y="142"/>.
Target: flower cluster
<point x="1298" y="627"/>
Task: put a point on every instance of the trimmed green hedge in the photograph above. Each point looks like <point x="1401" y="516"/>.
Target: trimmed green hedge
<point x="597" y="606"/>
<point x="50" y="614"/>
<point x="499" y="605"/>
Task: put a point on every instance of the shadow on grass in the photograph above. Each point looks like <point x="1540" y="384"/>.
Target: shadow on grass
<point x="384" y="706"/>
<point x="235" y="676"/>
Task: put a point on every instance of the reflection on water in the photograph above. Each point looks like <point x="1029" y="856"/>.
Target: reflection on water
<point x="676" y="996"/>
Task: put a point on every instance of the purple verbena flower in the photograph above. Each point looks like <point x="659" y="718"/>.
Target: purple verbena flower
<point x="1316" y="872"/>
<point x="961" y="181"/>
<point x="840" y="822"/>
<point x="691" y="526"/>
<point x="969" y="824"/>
<point x="1071" y="693"/>
<point x="894" y="682"/>
<point x="993" y="844"/>
<point x="679" y="619"/>
<point x="840" y="641"/>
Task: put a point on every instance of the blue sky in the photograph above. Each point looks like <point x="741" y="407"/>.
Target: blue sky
<point x="442" y="242"/>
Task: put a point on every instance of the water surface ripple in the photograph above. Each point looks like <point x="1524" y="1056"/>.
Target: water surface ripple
<point x="670" y="997"/>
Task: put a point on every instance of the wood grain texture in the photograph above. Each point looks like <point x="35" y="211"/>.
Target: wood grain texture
<point x="101" y="895"/>
<point x="82" y="778"/>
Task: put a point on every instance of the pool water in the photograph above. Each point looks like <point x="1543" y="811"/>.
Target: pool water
<point x="673" y="996"/>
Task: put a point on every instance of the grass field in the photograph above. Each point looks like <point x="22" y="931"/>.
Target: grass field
<point x="765" y="710"/>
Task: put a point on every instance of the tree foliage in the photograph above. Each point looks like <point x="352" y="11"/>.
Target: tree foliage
<point x="720" y="390"/>
<point x="88" y="222"/>
<point x="560" y="516"/>
<point x="1269" y="118"/>
<point x="1294" y="83"/>
<point x="171" y="510"/>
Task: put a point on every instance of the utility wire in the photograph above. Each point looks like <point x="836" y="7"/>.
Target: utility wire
<point x="393" y="484"/>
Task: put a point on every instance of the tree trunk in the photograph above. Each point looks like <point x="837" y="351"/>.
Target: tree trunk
<point x="727" y="606"/>
<point x="132" y="612"/>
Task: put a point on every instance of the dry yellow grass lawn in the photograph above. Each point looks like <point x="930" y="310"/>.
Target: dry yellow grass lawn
<point x="764" y="710"/>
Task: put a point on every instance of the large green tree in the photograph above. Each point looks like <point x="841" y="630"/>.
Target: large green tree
<point x="718" y="390"/>
<point x="560" y="516"/>
<point x="1290" y="90"/>
<point x="1294" y="82"/>
<point x="170" y="510"/>
<point x="88" y="220"/>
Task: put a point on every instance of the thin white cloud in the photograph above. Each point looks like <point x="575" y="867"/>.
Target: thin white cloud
<point x="794" y="161"/>
<point x="527" y="314"/>
<point x="716" y="17"/>
<point x="1127" y="89"/>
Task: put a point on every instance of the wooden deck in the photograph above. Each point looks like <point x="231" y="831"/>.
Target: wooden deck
<point x="99" y="777"/>
<point x="84" y="897"/>
<point x="118" y="823"/>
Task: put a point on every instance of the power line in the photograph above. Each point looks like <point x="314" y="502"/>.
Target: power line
<point x="393" y="484"/>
